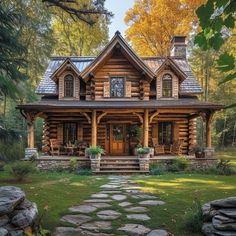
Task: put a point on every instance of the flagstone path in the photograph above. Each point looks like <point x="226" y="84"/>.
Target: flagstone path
<point x="121" y="198"/>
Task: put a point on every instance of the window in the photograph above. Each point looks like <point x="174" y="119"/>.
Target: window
<point x="117" y="87"/>
<point x="165" y="132"/>
<point x="70" y="132"/>
<point x="167" y="86"/>
<point x="69" y="86"/>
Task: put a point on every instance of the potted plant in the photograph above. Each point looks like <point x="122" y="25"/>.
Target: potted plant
<point x="135" y="150"/>
<point x="143" y="152"/>
<point x="198" y="152"/>
<point x="95" y="152"/>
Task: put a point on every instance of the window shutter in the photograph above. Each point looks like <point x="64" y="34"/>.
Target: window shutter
<point x="60" y="133"/>
<point x="106" y="90"/>
<point x="128" y="89"/>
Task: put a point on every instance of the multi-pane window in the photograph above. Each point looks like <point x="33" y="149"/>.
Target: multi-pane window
<point x="70" y="132"/>
<point x="165" y="132"/>
<point x="167" y="86"/>
<point x="117" y="87"/>
<point x="69" y="86"/>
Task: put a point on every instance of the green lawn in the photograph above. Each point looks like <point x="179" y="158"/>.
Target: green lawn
<point x="60" y="191"/>
<point x="179" y="192"/>
<point x="228" y="154"/>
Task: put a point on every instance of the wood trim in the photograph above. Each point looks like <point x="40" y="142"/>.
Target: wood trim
<point x="100" y="117"/>
<point x="87" y="116"/>
<point x="139" y="116"/>
<point x="153" y="116"/>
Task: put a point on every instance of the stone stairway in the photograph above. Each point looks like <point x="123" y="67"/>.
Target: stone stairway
<point x="120" y="165"/>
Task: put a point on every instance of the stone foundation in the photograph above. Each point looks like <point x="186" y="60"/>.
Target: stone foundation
<point x="195" y="163"/>
<point x="209" y="152"/>
<point x="53" y="163"/>
<point x="144" y="164"/>
<point x="95" y="165"/>
<point x="31" y="153"/>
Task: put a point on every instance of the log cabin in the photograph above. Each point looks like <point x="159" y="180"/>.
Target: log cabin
<point x="118" y="100"/>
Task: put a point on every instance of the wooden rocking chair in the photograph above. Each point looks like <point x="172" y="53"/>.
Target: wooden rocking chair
<point x="55" y="146"/>
<point x="158" y="149"/>
<point x="176" y="147"/>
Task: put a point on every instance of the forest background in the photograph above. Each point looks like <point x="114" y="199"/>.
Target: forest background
<point x="31" y="32"/>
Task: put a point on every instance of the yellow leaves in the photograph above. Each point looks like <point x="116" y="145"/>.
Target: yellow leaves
<point x="152" y="23"/>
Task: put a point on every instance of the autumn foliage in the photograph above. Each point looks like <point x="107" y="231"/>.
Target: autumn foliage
<point x="152" y="23"/>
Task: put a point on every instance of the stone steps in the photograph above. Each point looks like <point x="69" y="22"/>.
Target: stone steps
<point x="122" y="172"/>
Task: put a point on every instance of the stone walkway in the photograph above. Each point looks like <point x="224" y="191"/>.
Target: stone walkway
<point x="100" y="215"/>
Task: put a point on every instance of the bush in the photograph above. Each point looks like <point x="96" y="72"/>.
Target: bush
<point x="84" y="171"/>
<point x="2" y="164"/>
<point x="11" y="151"/>
<point x="194" y="219"/>
<point x="95" y="150"/>
<point x="179" y="164"/>
<point x="21" y="169"/>
<point x="73" y="165"/>
<point x="157" y="169"/>
<point x="143" y="150"/>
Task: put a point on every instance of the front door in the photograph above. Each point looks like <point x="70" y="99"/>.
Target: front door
<point x="117" y="139"/>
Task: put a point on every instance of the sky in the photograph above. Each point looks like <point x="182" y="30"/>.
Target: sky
<point x="118" y="7"/>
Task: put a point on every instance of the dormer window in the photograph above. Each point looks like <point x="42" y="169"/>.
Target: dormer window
<point x="117" y="87"/>
<point x="69" y="86"/>
<point x="167" y="86"/>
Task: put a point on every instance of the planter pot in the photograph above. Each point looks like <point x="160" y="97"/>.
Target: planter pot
<point x="144" y="156"/>
<point x="95" y="156"/>
<point x="199" y="154"/>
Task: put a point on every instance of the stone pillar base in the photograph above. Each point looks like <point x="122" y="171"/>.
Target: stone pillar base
<point x="209" y="152"/>
<point x="144" y="164"/>
<point x="95" y="165"/>
<point x="31" y="153"/>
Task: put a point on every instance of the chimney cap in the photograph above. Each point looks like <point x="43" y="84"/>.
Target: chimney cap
<point x="178" y="39"/>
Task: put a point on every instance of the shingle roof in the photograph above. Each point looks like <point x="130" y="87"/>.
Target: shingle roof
<point x="49" y="87"/>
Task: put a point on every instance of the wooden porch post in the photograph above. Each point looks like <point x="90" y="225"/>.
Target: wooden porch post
<point x="145" y="128"/>
<point x="94" y="128"/>
<point x="209" y="116"/>
<point x="30" y="128"/>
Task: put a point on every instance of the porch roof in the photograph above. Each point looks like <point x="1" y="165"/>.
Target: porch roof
<point x="184" y="103"/>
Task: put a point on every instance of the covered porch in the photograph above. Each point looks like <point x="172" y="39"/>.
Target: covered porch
<point x="116" y="127"/>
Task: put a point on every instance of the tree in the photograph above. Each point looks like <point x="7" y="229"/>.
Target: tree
<point x="152" y="24"/>
<point x="86" y="11"/>
<point x="76" y="37"/>
<point x="217" y="20"/>
<point x="11" y="55"/>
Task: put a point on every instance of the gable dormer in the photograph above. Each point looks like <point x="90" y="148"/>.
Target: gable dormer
<point x="169" y="78"/>
<point x="67" y="79"/>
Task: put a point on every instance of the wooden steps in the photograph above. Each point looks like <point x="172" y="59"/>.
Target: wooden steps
<point x="120" y="165"/>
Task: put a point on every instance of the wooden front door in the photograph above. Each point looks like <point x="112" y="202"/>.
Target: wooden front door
<point x="117" y="139"/>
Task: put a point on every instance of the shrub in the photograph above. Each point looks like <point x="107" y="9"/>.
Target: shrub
<point x="11" y="151"/>
<point x="194" y="218"/>
<point x="157" y="169"/>
<point x="21" y="169"/>
<point x="73" y="165"/>
<point x="84" y="171"/>
<point x="179" y="164"/>
<point x="143" y="150"/>
<point x="2" y="164"/>
<point x="95" y="150"/>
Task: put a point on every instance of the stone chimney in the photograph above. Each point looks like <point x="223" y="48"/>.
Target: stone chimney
<point x="179" y="46"/>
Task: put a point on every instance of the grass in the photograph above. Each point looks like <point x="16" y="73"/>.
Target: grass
<point x="227" y="154"/>
<point x="179" y="191"/>
<point x="57" y="191"/>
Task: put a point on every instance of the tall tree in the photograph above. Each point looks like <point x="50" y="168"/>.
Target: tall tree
<point x="11" y="55"/>
<point x="76" y="37"/>
<point x="88" y="12"/>
<point x="152" y="23"/>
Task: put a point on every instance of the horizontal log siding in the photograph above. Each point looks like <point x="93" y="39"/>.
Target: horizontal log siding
<point x="119" y="66"/>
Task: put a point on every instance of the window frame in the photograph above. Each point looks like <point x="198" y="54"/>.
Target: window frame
<point x="124" y="83"/>
<point x="64" y="131"/>
<point x="171" y="87"/>
<point x="65" y="86"/>
<point x="163" y="125"/>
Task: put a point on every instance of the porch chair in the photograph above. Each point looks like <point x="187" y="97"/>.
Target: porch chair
<point x="55" y="146"/>
<point x="158" y="149"/>
<point x="176" y="147"/>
